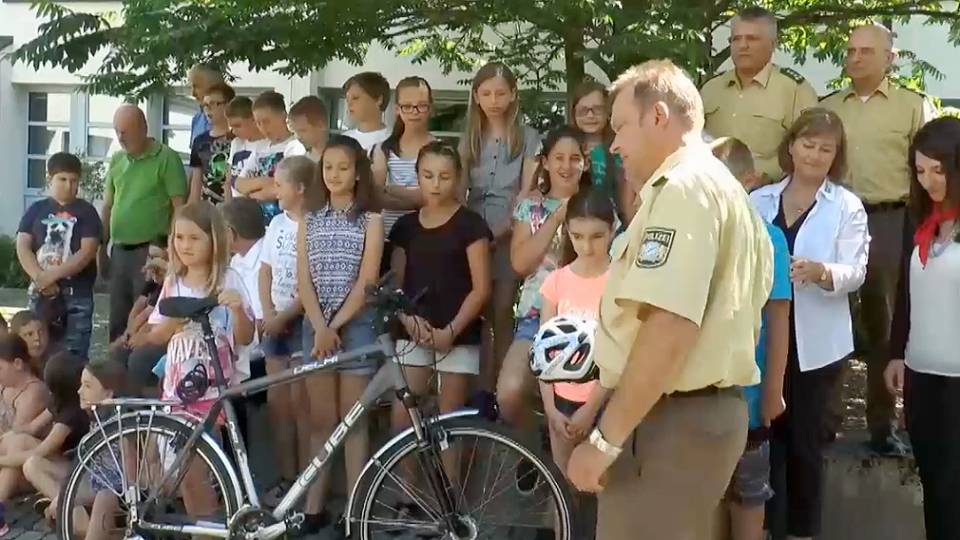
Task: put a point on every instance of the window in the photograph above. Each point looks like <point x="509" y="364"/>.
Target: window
<point x="449" y="115"/>
<point x="101" y="138"/>
<point x="48" y="132"/>
<point x="178" y="112"/>
<point x="66" y="121"/>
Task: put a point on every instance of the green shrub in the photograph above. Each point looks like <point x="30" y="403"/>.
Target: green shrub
<point x="11" y="274"/>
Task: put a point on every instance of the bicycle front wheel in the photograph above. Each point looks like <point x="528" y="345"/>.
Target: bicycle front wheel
<point x="123" y="461"/>
<point x="499" y="487"/>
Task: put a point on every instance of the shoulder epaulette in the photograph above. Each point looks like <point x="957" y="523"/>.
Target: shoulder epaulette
<point x="717" y="76"/>
<point x="835" y="92"/>
<point x="792" y="74"/>
<point x="902" y="86"/>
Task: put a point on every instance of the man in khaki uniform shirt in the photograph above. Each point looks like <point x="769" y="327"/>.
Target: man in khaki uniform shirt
<point x="880" y="119"/>
<point x="756" y="101"/>
<point x="679" y="320"/>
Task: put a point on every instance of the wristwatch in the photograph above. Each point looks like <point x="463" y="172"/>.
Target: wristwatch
<point x="597" y="441"/>
<point x="824" y="275"/>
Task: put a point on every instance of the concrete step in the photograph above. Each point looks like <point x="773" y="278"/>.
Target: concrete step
<point x="866" y="497"/>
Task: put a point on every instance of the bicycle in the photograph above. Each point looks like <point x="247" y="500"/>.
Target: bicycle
<point x="146" y="441"/>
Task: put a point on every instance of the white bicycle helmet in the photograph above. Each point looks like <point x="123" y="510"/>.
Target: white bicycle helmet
<point x="562" y="350"/>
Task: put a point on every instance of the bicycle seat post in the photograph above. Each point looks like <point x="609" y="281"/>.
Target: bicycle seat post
<point x="233" y="429"/>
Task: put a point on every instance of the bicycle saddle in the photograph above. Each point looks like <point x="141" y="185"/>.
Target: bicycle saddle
<point x="185" y="307"/>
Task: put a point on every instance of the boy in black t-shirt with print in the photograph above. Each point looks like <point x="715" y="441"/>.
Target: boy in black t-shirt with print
<point x="57" y="244"/>
<point x="210" y="151"/>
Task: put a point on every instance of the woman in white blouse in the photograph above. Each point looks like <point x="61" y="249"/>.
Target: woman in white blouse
<point x="924" y="335"/>
<point x="826" y="230"/>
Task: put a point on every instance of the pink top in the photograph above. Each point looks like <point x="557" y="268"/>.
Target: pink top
<point x="578" y="296"/>
<point x="187" y="349"/>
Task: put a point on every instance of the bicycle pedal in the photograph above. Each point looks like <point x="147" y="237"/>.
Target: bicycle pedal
<point x="295" y="521"/>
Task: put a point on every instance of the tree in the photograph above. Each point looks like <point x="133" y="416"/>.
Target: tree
<point x="550" y="42"/>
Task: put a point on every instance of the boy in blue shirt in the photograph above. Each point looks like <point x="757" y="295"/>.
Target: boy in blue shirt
<point x="750" y="486"/>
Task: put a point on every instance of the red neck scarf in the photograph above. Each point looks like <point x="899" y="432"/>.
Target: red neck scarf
<point x="927" y="231"/>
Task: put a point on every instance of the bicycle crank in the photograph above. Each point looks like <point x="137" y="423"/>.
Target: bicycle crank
<point x="255" y="524"/>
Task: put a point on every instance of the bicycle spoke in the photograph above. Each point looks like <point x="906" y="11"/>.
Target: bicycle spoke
<point x="409" y="491"/>
<point x="466" y="477"/>
<point x="487" y="498"/>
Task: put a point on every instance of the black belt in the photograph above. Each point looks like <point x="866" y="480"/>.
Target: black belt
<point x="699" y="392"/>
<point x="132" y="247"/>
<point x="885" y="206"/>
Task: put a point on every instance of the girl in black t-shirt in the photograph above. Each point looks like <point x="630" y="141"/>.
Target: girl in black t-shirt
<point x="67" y="422"/>
<point x="442" y="252"/>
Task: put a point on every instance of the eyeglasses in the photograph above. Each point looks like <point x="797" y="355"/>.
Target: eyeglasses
<point x="420" y="108"/>
<point x="598" y="110"/>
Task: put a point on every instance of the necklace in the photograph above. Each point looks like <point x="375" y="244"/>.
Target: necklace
<point x="797" y="209"/>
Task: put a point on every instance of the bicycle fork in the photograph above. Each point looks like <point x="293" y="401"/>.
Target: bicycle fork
<point x="428" y="457"/>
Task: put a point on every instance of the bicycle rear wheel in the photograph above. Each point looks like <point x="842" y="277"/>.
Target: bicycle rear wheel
<point x="501" y="489"/>
<point x="125" y="457"/>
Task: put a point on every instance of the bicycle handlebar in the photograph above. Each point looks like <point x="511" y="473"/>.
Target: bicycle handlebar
<point x="380" y="295"/>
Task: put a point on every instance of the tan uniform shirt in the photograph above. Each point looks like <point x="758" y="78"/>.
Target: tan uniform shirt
<point x="759" y="113"/>
<point x="879" y="131"/>
<point x="695" y="248"/>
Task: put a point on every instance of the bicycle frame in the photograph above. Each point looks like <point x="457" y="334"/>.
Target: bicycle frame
<point x="388" y="377"/>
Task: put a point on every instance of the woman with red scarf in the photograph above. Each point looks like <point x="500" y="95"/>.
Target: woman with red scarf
<point x="925" y="341"/>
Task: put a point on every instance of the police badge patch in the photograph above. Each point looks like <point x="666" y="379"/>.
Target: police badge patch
<point x="655" y="247"/>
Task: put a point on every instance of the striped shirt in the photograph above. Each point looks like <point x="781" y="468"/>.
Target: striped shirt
<point x="334" y="244"/>
<point x="401" y="171"/>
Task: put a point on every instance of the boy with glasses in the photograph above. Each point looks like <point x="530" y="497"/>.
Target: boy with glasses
<point x="210" y="151"/>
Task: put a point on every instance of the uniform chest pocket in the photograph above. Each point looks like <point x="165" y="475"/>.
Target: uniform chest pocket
<point x="709" y="109"/>
<point x="768" y="115"/>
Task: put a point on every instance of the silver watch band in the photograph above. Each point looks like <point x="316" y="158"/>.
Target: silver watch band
<point x="597" y="441"/>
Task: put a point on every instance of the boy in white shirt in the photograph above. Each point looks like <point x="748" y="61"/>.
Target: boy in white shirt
<point x="246" y="140"/>
<point x="256" y="178"/>
<point x="309" y="121"/>
<point x="367" y="95"/>
<point x="246" y="244"/>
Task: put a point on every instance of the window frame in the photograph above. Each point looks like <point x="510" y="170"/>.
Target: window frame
<point x="72" y="126"/>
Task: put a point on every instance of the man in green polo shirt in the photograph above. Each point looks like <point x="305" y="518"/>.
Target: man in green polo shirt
<point x="146" y="181"/>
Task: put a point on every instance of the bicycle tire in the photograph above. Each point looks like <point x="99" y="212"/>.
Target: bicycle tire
<point x="380" y="466"/>
<point x="109" y="434"/>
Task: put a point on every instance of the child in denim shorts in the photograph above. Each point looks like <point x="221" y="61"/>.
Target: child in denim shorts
<point x="750" y="486"/>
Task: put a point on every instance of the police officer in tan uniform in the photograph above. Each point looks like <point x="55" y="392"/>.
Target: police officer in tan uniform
<point x="880" y="118"/>
<point x="756" y="101"/>
<point x="678" y="321"/>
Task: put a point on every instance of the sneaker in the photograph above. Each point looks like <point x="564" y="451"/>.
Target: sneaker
<point x="274" y="495"/>
<point x="40" y="505"/>
<point x="526" y="477"/>
<point x="889" y="445"/>
<point x="314" y="523"/>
